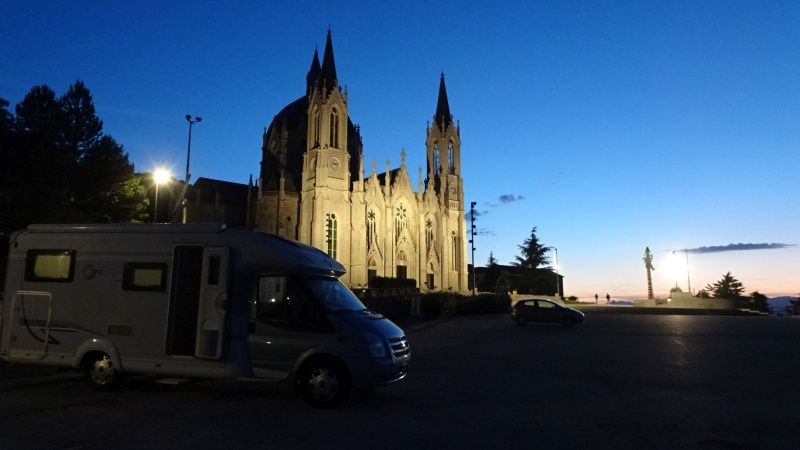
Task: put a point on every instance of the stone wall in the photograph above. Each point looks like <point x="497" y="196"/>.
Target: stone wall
<point x="685" y="300"/>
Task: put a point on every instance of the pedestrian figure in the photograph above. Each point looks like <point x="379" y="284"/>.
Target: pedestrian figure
<point x="608" y="298"/>
<point x="595" y="299"/>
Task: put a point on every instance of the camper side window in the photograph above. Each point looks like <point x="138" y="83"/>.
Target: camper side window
<point x="273" y="300"/>
<point x="50" y="265"/>
<point x="282" y="301"/>
<point x="144" y="277"/>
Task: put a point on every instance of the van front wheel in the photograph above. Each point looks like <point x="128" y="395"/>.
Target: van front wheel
<point x="325" y="383"/>
<point x="101" y="373"/>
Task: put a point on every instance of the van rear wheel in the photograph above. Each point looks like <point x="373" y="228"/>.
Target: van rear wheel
<point x="101" y="373"/>
<point x="325" y="383"/>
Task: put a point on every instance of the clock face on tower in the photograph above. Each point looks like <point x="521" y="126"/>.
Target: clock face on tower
<point x="333" y="163"/>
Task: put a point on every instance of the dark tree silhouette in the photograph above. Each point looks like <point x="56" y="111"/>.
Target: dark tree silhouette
<point x="702" y="294"/>
<point x="727" y="287"/>
<point x="492" y="260"/>
<point x="757" y="302"/>
<point x="107" y="188"/>
<point x="57" y="166"/>
<point x="492" y="275"/>
<point x="7" y="144"/>
<point x="535" y="276"/>
<point x="82" y="128"/>
<point x="532" y="254"/>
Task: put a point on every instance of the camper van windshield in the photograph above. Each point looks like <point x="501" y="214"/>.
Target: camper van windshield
<point x="334" y="295"/>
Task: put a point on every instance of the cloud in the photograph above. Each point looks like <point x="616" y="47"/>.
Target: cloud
<point x="473" y="214"/>
<point x="482" y="232"/>
<point x="508" y="198"/>
<point x="734" y="247"/>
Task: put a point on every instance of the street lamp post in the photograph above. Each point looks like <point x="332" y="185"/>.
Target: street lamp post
<point x="472" y="241"/>
<point x="688" y="280"/>
<point x="181" y="201"/>
<point x="189" y="147"/>
<point x="558" y="285"/>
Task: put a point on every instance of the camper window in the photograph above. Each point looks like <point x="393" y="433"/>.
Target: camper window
<point x="272" y="300"/>
<point x="50" y="265"/>
<point x="144" y="277"/>
<point x="283" y="301"/>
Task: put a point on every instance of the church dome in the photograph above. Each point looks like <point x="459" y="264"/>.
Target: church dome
<point x="286" y="138"/>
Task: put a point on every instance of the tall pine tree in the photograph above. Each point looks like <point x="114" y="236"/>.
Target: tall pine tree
<point x="727" y="287"/>
<point x="532" y="263"/>
<point x="59" y="167"/>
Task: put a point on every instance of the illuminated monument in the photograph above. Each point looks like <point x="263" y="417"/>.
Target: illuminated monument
<point x="313" y="189"/>
<point x="648" y="264"/>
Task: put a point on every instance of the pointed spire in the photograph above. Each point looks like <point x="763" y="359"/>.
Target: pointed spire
<point x="442" y="116"/>
<point x="328" y="71"/>
<point x="313" y="72"/>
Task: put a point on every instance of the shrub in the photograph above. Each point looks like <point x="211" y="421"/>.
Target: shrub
<point x="438" y="304"/>
<point x="389" y="282"/>
<point x="445" y="304"/>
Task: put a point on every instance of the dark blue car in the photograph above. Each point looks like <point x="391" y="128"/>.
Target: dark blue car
<point x="547" y="311"/>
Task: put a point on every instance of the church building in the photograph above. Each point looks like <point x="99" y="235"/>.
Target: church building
<point x="314" y="188"/>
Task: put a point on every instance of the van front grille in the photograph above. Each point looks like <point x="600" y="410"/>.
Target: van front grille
<point x="400" y="346"/>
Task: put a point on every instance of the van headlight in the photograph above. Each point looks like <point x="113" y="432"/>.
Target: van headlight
<point x="375" y="346"/>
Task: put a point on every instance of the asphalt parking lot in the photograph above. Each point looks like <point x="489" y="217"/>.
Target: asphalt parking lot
<point x="618" y="381"/>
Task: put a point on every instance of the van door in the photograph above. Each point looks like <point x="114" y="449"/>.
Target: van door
<point x="213" y="303"/>
<point x="27" y="333"/>
<point x="187" y="265"/>
<point x="287" y="323"/>
<point x="31" y="308"/>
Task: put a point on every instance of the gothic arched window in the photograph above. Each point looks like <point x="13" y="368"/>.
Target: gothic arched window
<point x="451" y="164"/>
<point x="454" y="255"/>
<point x="372" y="229"/>
<point x="334" y="131"/>
<point x="400" y="220"/>
<point x="437" y="165"/>
<point x="315" y="122"/>
<point x="332" y="235"/>
<point x="428" y="235"/>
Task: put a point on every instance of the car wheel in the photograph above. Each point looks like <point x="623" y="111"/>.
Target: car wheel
<point x="522" y="321"/>
<point x="325" y="383"/>
<point x="101" y="373"/>
<point x="568" y="321"/>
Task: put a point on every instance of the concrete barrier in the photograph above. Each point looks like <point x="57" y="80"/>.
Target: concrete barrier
<point x="685" y="300"/>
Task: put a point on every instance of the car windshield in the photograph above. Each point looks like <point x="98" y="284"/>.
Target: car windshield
<point x="333" y="295"/>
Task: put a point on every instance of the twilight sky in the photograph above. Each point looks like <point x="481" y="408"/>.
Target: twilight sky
<point x="610" y="126"/>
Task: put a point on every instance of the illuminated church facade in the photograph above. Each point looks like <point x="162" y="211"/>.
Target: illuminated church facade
<point x="314" y="188"/>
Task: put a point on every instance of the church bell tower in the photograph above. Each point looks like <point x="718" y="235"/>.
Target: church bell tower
<point x="444" y="151"/>
<point x="324" y="206"/>
<point x="445" y="182"/>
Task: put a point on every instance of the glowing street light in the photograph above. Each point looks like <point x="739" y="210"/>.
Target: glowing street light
<point x="160" y="176"/>
<point x="688" y="280"/>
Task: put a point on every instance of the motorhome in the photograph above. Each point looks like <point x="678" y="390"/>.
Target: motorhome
<point x="192" y="301"/>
